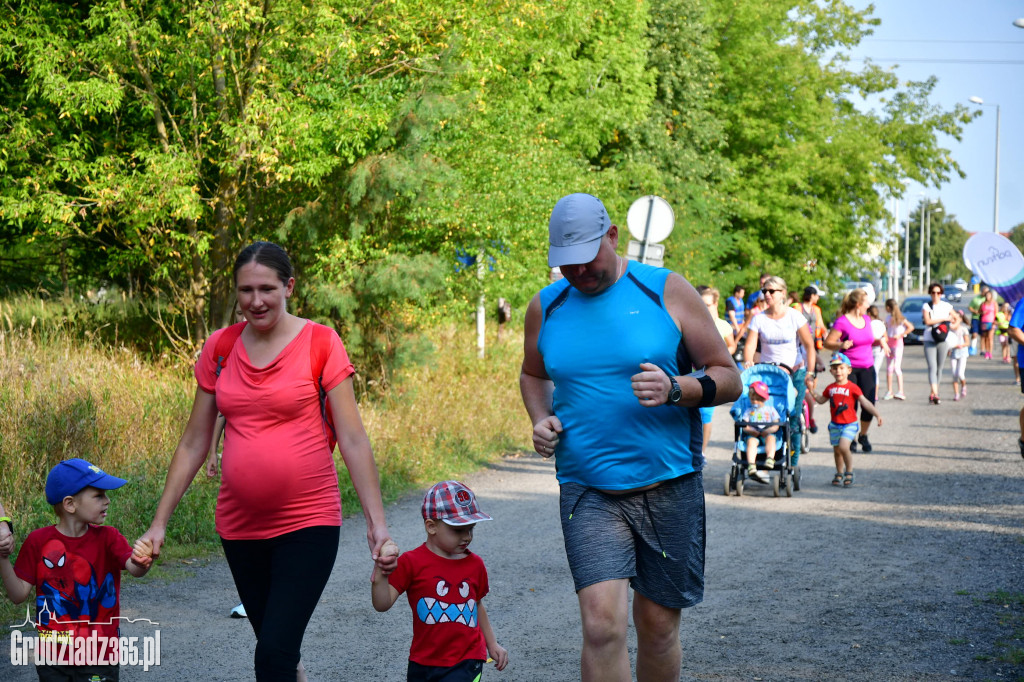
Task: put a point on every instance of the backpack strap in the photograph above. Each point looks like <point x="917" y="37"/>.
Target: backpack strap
<point x="320" y="348"/>
<point x="225" y="342"/>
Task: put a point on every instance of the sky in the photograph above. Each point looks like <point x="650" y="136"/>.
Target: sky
<point x="974" y="49"/>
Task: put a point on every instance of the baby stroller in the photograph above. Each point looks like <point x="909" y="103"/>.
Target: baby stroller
<point x="784" y="477"/>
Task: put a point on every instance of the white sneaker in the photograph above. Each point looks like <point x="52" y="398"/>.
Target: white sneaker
<point x="888" y="396"/>
<point x="238" y="612"/>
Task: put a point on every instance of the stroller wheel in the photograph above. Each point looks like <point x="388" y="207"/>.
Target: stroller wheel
<point x="728" y="484"/>
<point x="739" y="487"/>
<point x="789" y="485"/>
<point x="775" y="485"/>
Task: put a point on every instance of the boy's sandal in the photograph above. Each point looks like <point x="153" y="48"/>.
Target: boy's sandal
<point x="837" y="480"/>
<point x="847" y="480"/>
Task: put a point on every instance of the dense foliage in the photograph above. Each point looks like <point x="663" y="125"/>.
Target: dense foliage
<point x="142" y="143"/>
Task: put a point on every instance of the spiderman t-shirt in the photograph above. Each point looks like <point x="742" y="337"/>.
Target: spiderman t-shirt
<point x="842" y="400"/>
<point x="78" y="580"/>
<point x="444" y="595"/>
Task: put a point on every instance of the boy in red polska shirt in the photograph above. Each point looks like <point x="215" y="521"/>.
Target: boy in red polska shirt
<point x="843" y="397"/>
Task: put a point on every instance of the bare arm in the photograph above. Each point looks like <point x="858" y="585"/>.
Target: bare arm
<point x="382" y="594"/>
<point x="536" y="387"/>
<point x="494" y="650"/>
<point x="705" y="347"/>
<point x="749" y="348"/>
<point x="17" y="589"/>
<point x="866" y="406"/>
<point x="833" y="341"/>
<point x="355" y="450"/>
<point x="211" y="458"/>
<point x="188" y="457"/>
<point x="803" y="335"/>
<point x="1016" y="334"/>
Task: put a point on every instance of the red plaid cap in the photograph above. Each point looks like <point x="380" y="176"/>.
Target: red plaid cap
<point x="453" y="503"/>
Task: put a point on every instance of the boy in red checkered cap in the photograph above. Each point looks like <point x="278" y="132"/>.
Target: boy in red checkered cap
<point x="446" y="583"/>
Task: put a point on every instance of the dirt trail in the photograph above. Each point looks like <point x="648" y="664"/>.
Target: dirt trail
<point x="888" y="580"/>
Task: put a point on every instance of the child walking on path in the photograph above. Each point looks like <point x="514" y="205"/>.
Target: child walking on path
<point x="841" y="396"/>
<point x="75" y="568"/>
<point x="959" y="350"/>
<point x="896" y="328"/>
<point x="446" y="583"/>
<point x="761" y="421"/>
<point x="1003" y="327"/>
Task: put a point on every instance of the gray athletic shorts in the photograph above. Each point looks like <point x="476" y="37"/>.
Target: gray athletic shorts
<point x="655" y="539"/>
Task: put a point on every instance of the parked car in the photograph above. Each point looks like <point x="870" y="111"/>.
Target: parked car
<point x="849" y="286"/>
<point x="953" y="294"/>
<point x="961" y="285"/>
<point x="911" y="309"/>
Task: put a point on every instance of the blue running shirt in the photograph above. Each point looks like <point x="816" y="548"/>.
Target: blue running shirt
<point x="591" y="346"/>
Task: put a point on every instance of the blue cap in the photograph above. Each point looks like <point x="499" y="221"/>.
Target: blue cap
<point x="577" y="224"/>
<point x="839" y="359"/>
<point x="72" y="475"/>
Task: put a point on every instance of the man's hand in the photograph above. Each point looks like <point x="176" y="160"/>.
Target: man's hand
<point x="651" y="385"/>
<point x="545" y="435"/>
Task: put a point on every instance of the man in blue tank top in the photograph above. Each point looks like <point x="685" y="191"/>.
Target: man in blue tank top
<point x="609" y="382"/>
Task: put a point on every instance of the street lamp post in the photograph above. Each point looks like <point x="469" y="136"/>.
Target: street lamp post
<point x="925" y="238"/>
<point x="995" y="207"/>
<point x="928" y="247"/>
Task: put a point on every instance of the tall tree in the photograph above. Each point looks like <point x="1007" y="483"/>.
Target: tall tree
<point x="813" y="160"/>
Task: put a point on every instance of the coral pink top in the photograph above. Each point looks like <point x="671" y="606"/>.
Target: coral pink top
<point x="277" y="474"/>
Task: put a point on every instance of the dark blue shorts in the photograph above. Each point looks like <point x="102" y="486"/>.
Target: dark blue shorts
<point x="655" y="539"/>
<point x="469" y="670"/>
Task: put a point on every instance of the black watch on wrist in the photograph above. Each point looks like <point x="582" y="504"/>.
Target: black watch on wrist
<point x="674" y="392"/>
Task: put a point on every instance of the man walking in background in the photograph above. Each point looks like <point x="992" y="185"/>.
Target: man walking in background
<point x="609" y="383"/>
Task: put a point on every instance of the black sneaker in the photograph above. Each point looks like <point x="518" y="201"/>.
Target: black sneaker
<point x="865" y="444"/>
<point x="853" y="446"/>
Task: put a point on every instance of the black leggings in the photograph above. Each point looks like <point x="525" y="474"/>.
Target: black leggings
<point x="280" y="581"/>
<point x="865" y="378"/>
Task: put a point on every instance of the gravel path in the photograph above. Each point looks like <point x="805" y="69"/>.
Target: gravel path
<point x="889" y="580"/>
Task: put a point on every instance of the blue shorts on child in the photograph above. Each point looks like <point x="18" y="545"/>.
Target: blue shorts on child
<point x="847" y="431"/>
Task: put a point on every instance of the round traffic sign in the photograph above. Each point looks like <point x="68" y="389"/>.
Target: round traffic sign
<point x="650" y="219"/>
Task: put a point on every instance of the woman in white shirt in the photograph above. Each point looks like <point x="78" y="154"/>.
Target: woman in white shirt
<point x="933" y="313"/>
<point x="779" y="328"/>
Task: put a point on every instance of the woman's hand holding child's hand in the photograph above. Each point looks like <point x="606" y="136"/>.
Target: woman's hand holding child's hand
<point x="142" y="552"/>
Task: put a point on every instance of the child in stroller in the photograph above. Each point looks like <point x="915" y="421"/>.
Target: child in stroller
<point x="752" y="459"/>
<point x="759" y="423"/>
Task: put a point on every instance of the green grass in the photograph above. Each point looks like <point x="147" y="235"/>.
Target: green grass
<point x="64" y="396"/>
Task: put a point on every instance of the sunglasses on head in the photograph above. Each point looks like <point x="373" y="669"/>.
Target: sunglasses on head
<point x="770" y="291"/>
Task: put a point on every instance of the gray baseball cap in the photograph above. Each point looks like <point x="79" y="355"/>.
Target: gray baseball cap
<point x="578" y="222"/>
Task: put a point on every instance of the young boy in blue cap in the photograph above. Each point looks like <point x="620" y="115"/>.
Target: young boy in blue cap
<point x="75" y="568"/>
<point x="446" y="583"/>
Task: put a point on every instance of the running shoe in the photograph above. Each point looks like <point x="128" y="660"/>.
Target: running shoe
<point x="900" y="396"/>
<point x="865" y="444"/>
<point x="758" y="476"/>
<point x="238" y="612"/>
<point x="888" y="396"/>
<point x="853" y="446"/>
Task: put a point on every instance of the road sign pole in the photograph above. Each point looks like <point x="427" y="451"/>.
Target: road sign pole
<point x="647" y="230"/>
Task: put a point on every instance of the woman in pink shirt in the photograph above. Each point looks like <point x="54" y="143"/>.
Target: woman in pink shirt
<point x="851" y="333"/>
<point x="279" y="508"/>
<point x="988" y="310"/>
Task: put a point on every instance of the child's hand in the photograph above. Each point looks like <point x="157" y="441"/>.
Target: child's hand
<point x="879" y="420"/>
<point x="142" y="553"/>
<point x="387" y="559"/>
<point x="499" y="654"/>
